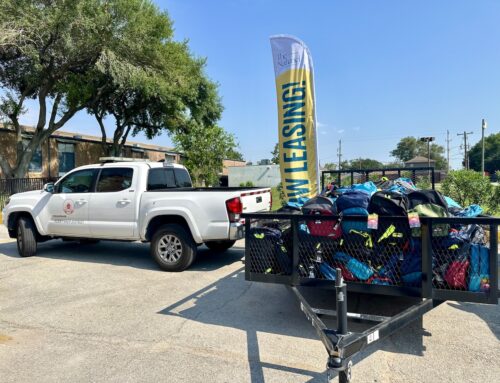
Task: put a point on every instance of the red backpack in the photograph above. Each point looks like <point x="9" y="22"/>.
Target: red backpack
<point x="322" y="206"/>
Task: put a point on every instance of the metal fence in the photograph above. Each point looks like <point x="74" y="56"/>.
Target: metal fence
<point x="447" y="258"/>
<point x="352" y="176"/>
<point x="11" y="186"/>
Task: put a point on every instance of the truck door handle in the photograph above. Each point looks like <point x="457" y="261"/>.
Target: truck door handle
<point x="124" y="201"/>
<point x="81" y="202"/>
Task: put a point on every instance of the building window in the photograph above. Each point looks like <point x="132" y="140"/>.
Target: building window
<point x="36" y="161"/>
<point x="66" y="157"/>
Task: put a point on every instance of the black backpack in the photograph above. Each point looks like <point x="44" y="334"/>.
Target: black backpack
<point x="389" y="204"/>
<point x="319" y="205"/>
<point x="422" y="197"/>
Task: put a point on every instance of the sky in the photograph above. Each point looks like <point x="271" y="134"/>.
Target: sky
<point x="384" y="70"/>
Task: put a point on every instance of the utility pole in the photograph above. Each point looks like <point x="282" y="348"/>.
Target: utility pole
<point x="466" y="156"/>
<point x="484" y="125"/>
<point x="448" y="140"/>
<point x="428" y="140"/>
<point x="339" y="153"/>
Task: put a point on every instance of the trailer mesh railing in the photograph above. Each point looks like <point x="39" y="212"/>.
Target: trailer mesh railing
<point x="426" y="175"/>
<point x="445" y="258"/>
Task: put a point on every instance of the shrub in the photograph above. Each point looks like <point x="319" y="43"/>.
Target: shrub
<point x="423" y="182"/>
<point x="468" y="187"/>
<point x="248" y="184"/>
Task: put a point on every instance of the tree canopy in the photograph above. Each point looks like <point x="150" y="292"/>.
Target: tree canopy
<point x="205" y="148"/>
<point x="410" y="147"/>
<point x="111" y="58"/>
<point x="491" y="154"/>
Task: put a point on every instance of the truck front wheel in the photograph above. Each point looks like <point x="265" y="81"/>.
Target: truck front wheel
<point x="219" y="246"/>
<point x="26" y="237"/>
<point x="173" y="248"/>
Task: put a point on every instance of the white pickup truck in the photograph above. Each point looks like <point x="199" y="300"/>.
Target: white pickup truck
<point x="134" y="201"/>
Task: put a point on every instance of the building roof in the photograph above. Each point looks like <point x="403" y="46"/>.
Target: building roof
<point x="419" y="160"/>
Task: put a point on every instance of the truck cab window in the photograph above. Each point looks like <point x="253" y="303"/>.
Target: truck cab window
<point x="161" y="178"/>
<point x="114" y="179"/>
<point x="77" y="182"/>
<point x="183" y="179"/>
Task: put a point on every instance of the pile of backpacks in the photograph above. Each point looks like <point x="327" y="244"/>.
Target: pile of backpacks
<point x="387" y="253"/>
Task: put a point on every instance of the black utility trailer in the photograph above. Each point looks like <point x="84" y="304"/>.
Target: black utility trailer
<point x="264" y="259"/>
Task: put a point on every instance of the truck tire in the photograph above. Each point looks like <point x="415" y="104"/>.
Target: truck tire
<point x="173" y="248"/>
<point x="26" y="237"/>
<point x="219" y="246"/>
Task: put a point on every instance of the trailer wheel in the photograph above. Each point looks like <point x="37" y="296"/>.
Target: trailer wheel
<point x="219" y="246"/>
<point x="26" y="237"/>
<point x="173" y="248"/>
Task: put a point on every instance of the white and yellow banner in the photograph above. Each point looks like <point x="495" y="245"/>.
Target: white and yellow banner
<point x="293" y="69"/>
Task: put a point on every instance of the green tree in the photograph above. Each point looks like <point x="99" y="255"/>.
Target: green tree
<point x="364" y="163"/>
<point x="205" y="149"/>
<point x="111" y="58"/>
<point x="234" y="154"/>
<point x="491" y="154"/>
<point x="409" y="147"/>
<point x="468" y="187"/>
<point x="275" y="159"/>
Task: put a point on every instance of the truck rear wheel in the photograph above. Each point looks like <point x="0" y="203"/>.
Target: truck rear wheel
<point x="26" y="237"/>
<point x="219" y="246"/>
<point x="173" y="248"/>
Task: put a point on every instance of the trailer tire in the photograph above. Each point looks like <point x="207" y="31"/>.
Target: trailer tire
<point x="219" y="246"/>
<point x="26" y="237"/>
<point x="173" y="248"/>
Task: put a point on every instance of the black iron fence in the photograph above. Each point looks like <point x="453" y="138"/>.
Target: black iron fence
<point x="11" y="186"/>
<point x="352" y="176"/>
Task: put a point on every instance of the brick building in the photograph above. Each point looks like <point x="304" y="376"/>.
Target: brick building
<point x="64" y="151"/>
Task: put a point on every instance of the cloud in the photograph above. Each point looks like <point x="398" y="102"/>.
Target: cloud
<point x="320" y="125"/>
<point x="356" y="128"/>
<point x="323" y="132"/>
<point x="340" y="131"/>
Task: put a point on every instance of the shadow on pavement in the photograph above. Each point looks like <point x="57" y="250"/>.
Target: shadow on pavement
<point x="488" y="313"/>
<point x="128" y="254"/>
<point x="266" y="308"/>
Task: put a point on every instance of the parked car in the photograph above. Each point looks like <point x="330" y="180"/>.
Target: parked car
<point x="134" y="201"/>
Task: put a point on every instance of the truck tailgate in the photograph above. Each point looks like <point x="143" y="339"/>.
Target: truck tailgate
<point x="256" y="200"/>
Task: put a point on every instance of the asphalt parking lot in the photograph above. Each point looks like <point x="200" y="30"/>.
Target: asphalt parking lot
<point x="105" y="313"/>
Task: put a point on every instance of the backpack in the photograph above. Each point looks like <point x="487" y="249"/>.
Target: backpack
<point x="456" y="274"/>
<point x="267" y="254"/>
<point x="479" y="267"/>
<point x="432" y="210"/>
<point x="411" y="267"/>
<point x="352" y="198"/>
<point x="423" y="197"/>
<point x="348" y="225"/>
<point x="322" y="206"/>
<point x="389" y="204"/>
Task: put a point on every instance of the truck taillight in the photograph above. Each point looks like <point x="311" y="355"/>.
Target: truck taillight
<point x="234" y="209"/>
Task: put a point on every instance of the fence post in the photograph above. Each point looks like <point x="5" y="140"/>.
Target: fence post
<point x="427" y="254"/>
<point x="295" y="247"/>
<point x="494" y="290"/>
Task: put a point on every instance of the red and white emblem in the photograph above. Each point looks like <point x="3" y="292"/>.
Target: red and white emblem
<point x="68" y="206"/>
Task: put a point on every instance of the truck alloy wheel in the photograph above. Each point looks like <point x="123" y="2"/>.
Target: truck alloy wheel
<point x="170" y="248"/>
<point x="173" y="248"/>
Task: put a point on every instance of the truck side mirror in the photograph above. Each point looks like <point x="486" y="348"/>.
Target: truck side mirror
<point x="49" y="187"/>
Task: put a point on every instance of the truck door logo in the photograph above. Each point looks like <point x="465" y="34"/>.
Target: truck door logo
<point x="68" y="206"/>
